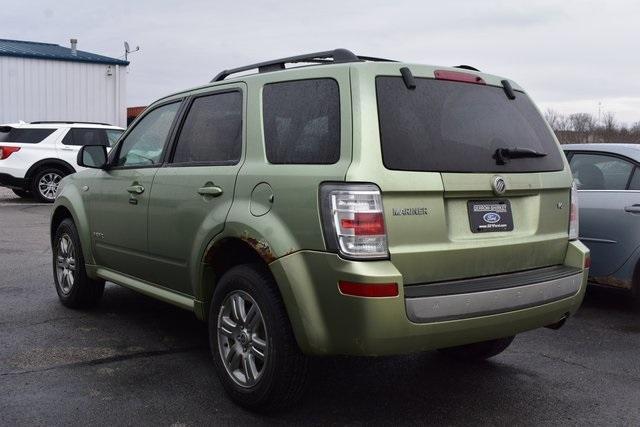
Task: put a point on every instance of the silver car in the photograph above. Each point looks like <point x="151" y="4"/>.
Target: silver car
<point x="608" y="181"/>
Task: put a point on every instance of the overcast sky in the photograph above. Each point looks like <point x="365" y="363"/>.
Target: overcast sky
<point x="569" y="55"/>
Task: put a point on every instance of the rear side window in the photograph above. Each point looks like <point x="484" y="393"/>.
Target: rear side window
<point x="600" y="172"/>
<point x="445" y="126"/>
<point x="212" y="131"/>
<point x="302" y="121"/>
<point x="82" y="136"/>
<point x="24" y="136"/>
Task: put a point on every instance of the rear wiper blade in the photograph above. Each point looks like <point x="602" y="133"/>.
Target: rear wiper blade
<point x="502" y="154"/>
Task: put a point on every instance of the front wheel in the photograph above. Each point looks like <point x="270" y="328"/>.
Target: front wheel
<point x="74" y="288"/>
<point x="255" y="352"/>
<point x="479" y="350"/>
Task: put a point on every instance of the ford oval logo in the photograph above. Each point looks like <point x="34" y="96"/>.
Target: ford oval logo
<point x="491" y="217"/>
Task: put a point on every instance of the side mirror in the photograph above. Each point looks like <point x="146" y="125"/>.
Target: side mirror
<point x="92" y="156"/>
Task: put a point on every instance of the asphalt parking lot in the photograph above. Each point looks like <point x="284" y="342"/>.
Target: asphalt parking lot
<point x="137" y="361"/>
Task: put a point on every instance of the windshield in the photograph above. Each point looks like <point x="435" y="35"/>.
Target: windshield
<point x="445" y="126"/>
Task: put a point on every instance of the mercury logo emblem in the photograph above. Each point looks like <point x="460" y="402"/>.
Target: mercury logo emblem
<point x="498" y="185"/>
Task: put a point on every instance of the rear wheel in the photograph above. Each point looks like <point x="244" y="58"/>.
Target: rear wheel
<point x="479" y="350"/>
<point x="255" y="352"/>
<point x="635" y="287"/>
<point x="45" y="183"/>
<point x="22" y="193"/>
<point x="74" y="288"/>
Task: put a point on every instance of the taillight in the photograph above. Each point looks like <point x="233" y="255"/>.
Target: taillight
<point x="7" y="151"/>
<point x="353" y="220"/>
<point x="573" y="214"/>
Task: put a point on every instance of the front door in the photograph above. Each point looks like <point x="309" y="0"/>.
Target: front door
<point x="119" y="213"/>
<point x="192" y="193"/>
<point x="608" y="218"/>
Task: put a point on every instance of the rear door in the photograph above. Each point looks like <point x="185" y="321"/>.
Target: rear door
<point x="453" y="207"/>
<point x="193" y="192"/>
<point x="609" y="203"/>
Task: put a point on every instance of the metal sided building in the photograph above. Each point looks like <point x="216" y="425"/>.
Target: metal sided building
<point x="44" y="81"/>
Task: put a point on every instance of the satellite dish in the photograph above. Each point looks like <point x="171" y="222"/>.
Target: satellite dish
<point x="126" y="47"/>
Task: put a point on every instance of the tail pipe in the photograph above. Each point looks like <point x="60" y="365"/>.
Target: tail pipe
<point x="557" y="325"/>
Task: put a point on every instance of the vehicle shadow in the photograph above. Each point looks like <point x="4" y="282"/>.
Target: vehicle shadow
<point x="7" y="197"/>
<point x="412" y="389"/>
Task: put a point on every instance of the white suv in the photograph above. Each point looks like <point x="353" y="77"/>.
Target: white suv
<point x="35" y="156"/>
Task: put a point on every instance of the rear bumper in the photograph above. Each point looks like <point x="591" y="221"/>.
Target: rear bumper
<point x="11" y="181"/>
<point x="327" y="322"/>
<point x="496" y="294"/>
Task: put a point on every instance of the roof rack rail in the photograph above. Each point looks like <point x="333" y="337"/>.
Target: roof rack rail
<point x="48" y="122"/>
<point x="336" y="56"/>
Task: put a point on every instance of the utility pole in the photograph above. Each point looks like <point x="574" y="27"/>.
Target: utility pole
<point x="599" y="112"/>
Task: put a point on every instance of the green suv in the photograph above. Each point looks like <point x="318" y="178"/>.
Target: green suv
<point x="350" y="206"/>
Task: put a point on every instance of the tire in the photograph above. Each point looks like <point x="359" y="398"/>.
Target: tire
<point x="479" y="350"/>
<point x="74" y="288"/>
<point x="635" y="288"/>
<point x="44" y="184"/>
<point x="278" y="378"/>
<point x="22" y="194"/>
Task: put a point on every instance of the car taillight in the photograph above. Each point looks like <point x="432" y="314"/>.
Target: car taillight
<point x="353" y="220"/>
<point x="7" y="151"/>
<point x="573" y="214"/>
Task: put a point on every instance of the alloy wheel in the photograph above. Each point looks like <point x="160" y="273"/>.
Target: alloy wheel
<point x="48" y="185"/>
<point x="65" y="264"/>
<point x="242" y="338"/>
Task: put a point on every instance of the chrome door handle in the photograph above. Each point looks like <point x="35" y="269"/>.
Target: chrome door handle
<point x="210" y="190"/>
<point x="68" y="148"/>
<point x="632" y="209"/>
<point x="136" y="189"/>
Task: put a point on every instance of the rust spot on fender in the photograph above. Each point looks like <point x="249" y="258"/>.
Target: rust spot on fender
<point x="262" y="247"/>
<point x="612" y="281"/>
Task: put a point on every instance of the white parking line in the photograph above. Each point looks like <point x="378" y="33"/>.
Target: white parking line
<point x="25" y="204"/>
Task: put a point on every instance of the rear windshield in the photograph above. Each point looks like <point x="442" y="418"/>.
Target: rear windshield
<point x="445" y="126"/>
<point x="23" y="136"/>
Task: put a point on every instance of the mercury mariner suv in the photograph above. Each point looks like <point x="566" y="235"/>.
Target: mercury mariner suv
<point x="350" y="206"/>
<point x="35" y="156"/>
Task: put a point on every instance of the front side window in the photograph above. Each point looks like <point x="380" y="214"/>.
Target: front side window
<point x="212" y="131"/>
<point x="634" y="184"/>
<point x="600" y="172"/>
<point x="81" y="136"/>
<point x="302" y="121"/>
<point x="143" y="146"/>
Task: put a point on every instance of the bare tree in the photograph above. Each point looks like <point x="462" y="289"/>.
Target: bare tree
<point x="556" y="120"/>
<point x="609" y="127"/>
<point x="583" y="127"/>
